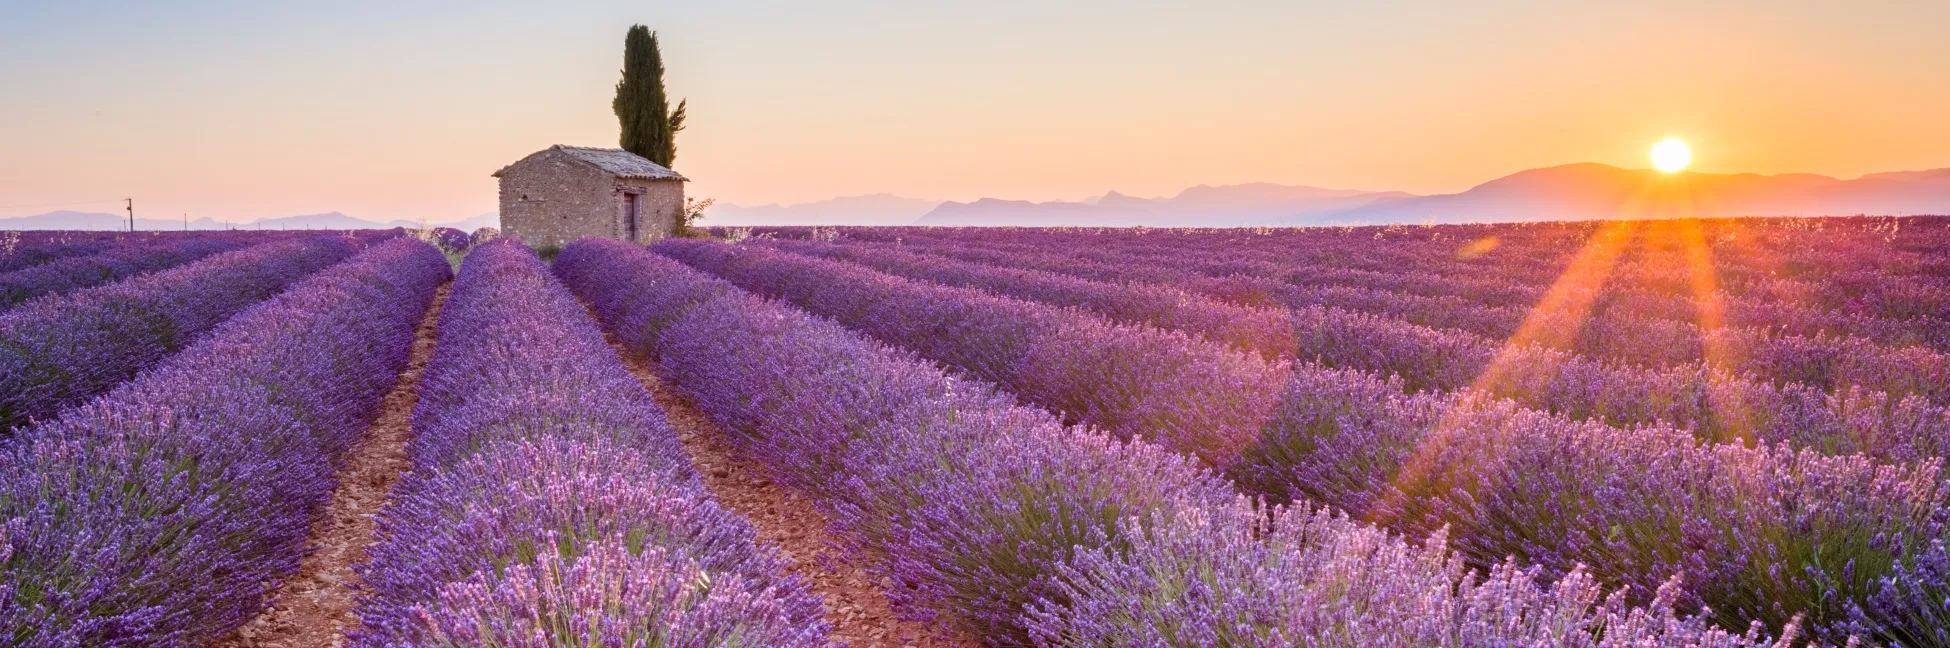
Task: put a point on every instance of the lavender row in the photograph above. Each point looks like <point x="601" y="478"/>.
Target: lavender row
<point x="1776" y="341"/>
<point x="1759" y="533"/>
<point x="454" y="241"/>
<point x="66" y="349"/>
<point x="1189" y="394"/>
<point x="1764" y="259"/>
<point x="1410" y="436"/>
<point x="1535" y="252"/>
<point x="996" y="516"/>
<point x="1783" y="309"/>
<point x="1744" y="253"/>
<point x="20" y="250"/>
<point x="1485" y="285"/>
<point x="1631" y="335"/>
<point x="163" y="513"/>
<point x="1818" y="400"/>
<point x="1824" y="363"/>
<point x="1253" y="330"/>
<point x="550" y="502"/>
<point x="1715" y="405"/>
<point x="1615" y="287"/>
<point x="62" y="276"/>
<point x="19" y="254"/>
<point x="1794" y="344"/>
<point x="1299" y="578"/>
<point x="1394" y="439"/>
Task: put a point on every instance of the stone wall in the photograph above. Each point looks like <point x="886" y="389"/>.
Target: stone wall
<point x="552" y="199"/>
<point x="657" y="207"/>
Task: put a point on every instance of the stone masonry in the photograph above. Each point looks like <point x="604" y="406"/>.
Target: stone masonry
<point x="561" y="194"/>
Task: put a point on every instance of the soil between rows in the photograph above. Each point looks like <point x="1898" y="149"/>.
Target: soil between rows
<point x="314" y="607"/>
<point x="856" y="605"/>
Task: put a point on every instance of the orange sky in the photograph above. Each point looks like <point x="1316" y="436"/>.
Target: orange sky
<point x="235" y="110"/>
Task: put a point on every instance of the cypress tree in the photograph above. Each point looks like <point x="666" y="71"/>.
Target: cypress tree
<point x="649" y="126"/>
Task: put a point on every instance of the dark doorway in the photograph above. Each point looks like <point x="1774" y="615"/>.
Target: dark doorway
<point x="629" y="218"/>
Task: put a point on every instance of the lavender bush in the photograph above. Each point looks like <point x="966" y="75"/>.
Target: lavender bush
<point x="450" y="240"/>
<point x="1191" y="395"/>
<point x="1263" y="331"/>
<point x="1649" y="285"/>
<point x="973" y="500"/>
<point x="1024" y="531"/>
<point x="18" y="253"/>
<point x="550" y="503"/>
<point x="1763" y="533"/>
<point x="165" y="511"/>
<point x="1912" y="607"/>
<point x="62" y="350"/>
<point x="72" y="273"/>
<point x="1239" y="577"/>
<point x="483" y="235"/>
<point x="1835" y="395"/>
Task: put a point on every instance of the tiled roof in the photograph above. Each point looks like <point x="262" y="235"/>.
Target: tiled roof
<point x="618" y="162"/>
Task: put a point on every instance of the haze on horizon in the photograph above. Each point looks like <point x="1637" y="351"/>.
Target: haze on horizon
<point x="238" y="110"/>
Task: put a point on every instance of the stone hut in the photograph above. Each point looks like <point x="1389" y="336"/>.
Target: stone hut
<point x="565" y="193"/>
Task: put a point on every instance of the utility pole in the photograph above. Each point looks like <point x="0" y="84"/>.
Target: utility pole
<point x="131" y="202"/>
<point x="186" y="221"/>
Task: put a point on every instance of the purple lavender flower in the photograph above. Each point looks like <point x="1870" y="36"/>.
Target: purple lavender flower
<point x="62" y="350"/>
<point x="73" y="273"/>
<point x="163" y="512"/>
<point x="1191" y="395"/>
<point x="551" y="504"/>
<point x="1235" y="576"/>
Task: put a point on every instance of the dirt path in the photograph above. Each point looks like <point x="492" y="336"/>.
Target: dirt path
<point x="313" y="608"/>
<point x="856" y="605"/>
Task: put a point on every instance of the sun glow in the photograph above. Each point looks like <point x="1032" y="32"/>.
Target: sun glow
<point x="1671" y="155"/>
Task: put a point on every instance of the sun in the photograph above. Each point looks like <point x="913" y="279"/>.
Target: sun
<point x="1671" y="155"/>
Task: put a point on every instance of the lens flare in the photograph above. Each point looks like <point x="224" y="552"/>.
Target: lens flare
<point x="1671" y="155"/>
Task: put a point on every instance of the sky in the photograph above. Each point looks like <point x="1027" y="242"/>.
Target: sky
<point x="402" y="109"/>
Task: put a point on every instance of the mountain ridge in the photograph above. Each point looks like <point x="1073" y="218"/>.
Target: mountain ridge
<point x="1257" y="203"/>
<point x="869" y="209"/>
<point x="1576" y="191"/>
<point x="1587" y="190"/>
<point x="94" y="221"/>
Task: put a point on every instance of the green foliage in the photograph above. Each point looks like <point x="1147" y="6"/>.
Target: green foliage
<point x="649" y="125"/>
<point x="688" y="217"/>
<point x="548" y="252"/>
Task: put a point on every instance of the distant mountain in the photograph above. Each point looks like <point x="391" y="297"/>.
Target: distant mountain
<point x="328" y="220"/>
<point x="71" y="220"/>
<point x="1270" y="202"/>
<point x="490" y="219"/>
<point x="1581" y="191"/>
<point x="1259" y="203"/>
<point x="876" y="209"/>
<point x="993" y="212"/>
<point x="1932" y="176"/>
<point x="1589" y="191"/>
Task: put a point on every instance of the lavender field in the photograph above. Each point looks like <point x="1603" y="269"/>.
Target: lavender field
<point x="1713" y="433"/>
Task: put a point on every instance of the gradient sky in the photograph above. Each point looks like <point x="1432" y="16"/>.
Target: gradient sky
<point x="382" y="110"/>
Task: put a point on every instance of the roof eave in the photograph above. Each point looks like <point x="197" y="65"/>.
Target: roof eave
<point x="562" y="148"/>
